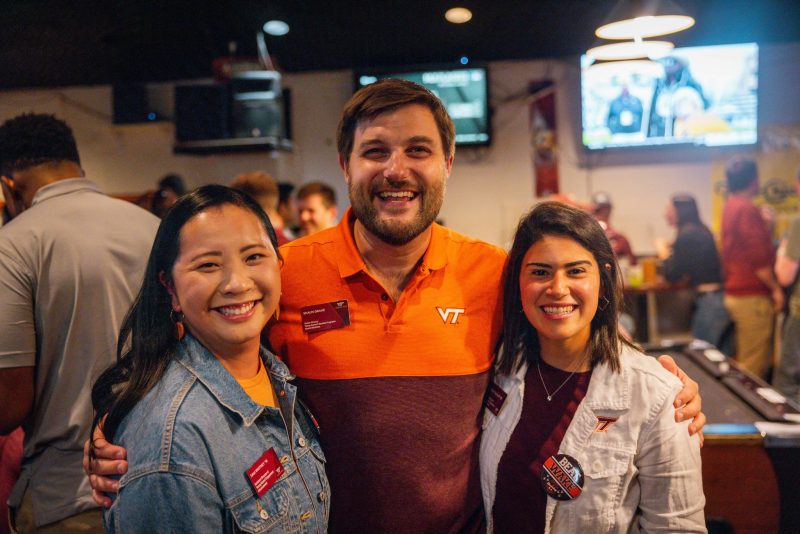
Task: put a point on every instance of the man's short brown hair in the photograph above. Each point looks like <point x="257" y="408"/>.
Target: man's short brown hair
<point x="259" y="185"/>
<point x="740" y="173"/>
<point x="385" y="96"/>
<point x="326" y="193"/>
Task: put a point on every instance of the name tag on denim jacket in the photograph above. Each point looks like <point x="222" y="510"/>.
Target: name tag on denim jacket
<point x="265" y="472"/>
<point x="495" y="399"/>
<point x="327" y="316"/>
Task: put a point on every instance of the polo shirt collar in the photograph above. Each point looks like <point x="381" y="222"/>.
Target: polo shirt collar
<point x="350" y="261"/>
<point x="348" y="258"/>
<point x="63" y="187"/>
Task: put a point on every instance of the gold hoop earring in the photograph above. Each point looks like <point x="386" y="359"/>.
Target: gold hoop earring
<point x="177" y="319"/>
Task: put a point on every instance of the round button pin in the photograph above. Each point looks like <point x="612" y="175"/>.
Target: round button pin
<point x="562" y="477"/>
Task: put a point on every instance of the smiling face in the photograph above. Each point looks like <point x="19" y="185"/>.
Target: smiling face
<point x="559" y="287"/>
<point x="314" y="215"/>
<point x="226" y="279"/>
<point x="396" y="173"/>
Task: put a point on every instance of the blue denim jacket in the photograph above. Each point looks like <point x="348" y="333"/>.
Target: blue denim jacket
<point x="190" y="441"/>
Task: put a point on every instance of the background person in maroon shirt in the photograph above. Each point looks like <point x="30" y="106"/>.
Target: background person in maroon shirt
<point x="752" y="294"/>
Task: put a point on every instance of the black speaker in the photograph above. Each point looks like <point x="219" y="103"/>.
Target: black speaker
<point x="202" y="112"/>
<point x="257" y="118"/>
<point x="257" y="106"/>
<point x="130" y="104"/>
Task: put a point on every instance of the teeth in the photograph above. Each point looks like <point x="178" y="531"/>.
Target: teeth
<point x="237" y="309"/>
<point x="558" y="310"/>
<point x="396" y="195"/>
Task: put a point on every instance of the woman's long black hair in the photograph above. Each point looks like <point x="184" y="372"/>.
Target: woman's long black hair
<point x="147" y="340"/>
<point x="686" y="214"/>
<point x="520" y="341"/>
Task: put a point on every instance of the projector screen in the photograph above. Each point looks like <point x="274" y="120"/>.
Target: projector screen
<point x="704" y="96"/>
<point x="464" y="91"/>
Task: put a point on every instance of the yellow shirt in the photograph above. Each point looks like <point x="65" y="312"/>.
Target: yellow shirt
<point x="259" y="388"/>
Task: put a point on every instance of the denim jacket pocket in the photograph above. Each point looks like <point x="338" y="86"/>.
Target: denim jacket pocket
<point x="602" y="463"/>
<point x="605" y="471"/>
<point x="269" y="513"/>
<point x="316" y="450"/>
<point x="321" y="483"/>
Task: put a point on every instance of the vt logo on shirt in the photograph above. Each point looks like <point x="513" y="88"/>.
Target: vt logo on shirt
<point x="449" y="315"/>
<point x="604" y="423"/>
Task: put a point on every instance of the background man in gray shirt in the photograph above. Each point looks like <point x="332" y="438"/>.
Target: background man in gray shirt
<point x="71" y="262"/>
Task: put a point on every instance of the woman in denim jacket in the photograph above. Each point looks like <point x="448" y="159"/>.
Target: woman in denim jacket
<point x="216" y="438"/>
<point x="579" y="430"/>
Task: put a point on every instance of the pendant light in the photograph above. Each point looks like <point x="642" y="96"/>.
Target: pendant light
<point x="631" y="19"/>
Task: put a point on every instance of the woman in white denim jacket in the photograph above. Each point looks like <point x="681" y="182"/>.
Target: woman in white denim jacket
<point x="593" y="409"/>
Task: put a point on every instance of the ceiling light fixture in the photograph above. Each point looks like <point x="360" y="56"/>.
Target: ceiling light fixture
<point x="632" y="19"/>
<point x="627" y="67"/>
<point x="458" y="15"/>
<point x="630" y="50"/>
<point x="276" y="27"/>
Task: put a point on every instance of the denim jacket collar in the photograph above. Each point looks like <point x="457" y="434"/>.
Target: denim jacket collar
<point x="608" y="390"/>
<point x="199" y="361"/>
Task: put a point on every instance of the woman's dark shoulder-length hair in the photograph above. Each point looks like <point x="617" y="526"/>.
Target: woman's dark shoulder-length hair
<point x="519" y="341"/>
<point x="686" y="212"/>
<point x="147" y="338"/>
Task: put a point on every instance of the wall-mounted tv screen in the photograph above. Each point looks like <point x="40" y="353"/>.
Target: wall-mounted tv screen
<point x="464" y="91"/>
<point x="704" y="96"/>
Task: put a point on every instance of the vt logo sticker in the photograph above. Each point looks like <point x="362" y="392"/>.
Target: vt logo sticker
<point x="449" y="315"/>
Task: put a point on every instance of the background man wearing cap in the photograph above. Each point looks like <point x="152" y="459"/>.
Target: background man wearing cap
<point x="601" y="208"/>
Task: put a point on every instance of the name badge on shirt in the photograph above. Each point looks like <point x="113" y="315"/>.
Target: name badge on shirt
<point x="495" y="399"/>
<point x="327" y="316"/>
<point x="265" y="472"/>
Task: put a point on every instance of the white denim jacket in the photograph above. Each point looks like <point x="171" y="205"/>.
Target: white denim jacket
<point x="642" y="472"/>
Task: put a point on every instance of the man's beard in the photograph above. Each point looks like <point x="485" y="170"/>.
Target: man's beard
<point x="390" y="231"/>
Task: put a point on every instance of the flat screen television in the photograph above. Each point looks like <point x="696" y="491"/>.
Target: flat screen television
<point x="704" y="96"/>
<point x="464" y="91"/>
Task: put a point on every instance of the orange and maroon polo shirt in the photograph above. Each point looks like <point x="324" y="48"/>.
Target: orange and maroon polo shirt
<point x="398" y="391"/>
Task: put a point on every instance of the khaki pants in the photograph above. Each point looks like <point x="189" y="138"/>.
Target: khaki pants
<point x="754" y="319"/>
<point x="21" y="521"/>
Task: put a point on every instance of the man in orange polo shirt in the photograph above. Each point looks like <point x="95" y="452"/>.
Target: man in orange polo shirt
<point x="389" y="322"/>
